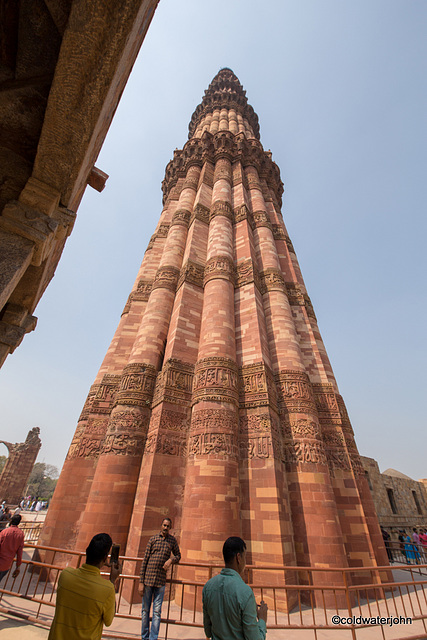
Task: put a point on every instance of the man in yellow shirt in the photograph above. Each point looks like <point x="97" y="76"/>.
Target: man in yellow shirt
<point x="84" y="600"/>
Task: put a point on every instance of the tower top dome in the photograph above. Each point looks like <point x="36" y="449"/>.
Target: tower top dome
<point x="224" y="92"/>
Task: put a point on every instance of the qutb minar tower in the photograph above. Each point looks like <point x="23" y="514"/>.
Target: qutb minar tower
<point x="216" y="403"/>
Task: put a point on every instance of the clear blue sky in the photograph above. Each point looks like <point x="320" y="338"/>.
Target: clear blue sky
<point x="340" y="90"/>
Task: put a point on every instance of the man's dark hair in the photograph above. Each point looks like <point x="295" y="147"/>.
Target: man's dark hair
<point x="167" y="518"/>
<point x="98" y="548"/>
<point x="15" y="520"/>
<point x="232" y="546"/>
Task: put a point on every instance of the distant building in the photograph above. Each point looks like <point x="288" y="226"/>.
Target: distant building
<point x="400" y="501"/>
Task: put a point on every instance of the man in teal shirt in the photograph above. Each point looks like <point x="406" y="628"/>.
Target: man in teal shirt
<point x="229" y="608"/>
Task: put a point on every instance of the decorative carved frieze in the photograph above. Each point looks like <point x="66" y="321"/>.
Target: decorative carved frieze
<point x="289" y="244"/>
<point x="298" y="297"/>
<point x="257" y="386"/>
<point x="166" y="278"/>
<point x="216" y="379"/>
<point x="294" y="391"/>
<point x="246" y="273"/>
<point x="126" y="433"/>
<point x="304" y="452"/>
<point x="272" y="280"/>
<point x="279" y="232"/>
<point x="223" y="445"/>
<point x="209" y="420"/>
<point x="83" y="446"/>
<point x="137" y="385"/>
<point x="295" y="294"/>
<point x="192" y="273"/>
<point x="143" y="290"/>
<point x="162" y="231"/>
<point x="141" y="294"/>
<point x="326" y="402"/>
<point x="257" y="447"/>
<point x="182" y="217"/>
<point x="200" y="212"/>
<point x="150" y="245"/>
<point x="253" y="423"/>
<point x="241" y="213"/>
<point x="261" y="219"/>
<point x="305" y="428"/>
<point x="123" y="444"/>
<point x="174" y="383"/>
<point x="169" y="420"/>
<point x="219" y="267"/>
<point x="221" y="208"/>
<point x="166" y="444"/>
<point x="102" y="399"/>
<point x="213" y="147"/>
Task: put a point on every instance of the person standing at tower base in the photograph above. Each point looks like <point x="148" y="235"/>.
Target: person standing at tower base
<point x="161" y="552"/>
<point x="229" y="608"/>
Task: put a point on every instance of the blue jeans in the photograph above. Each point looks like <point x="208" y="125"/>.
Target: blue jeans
<point x="155" y="594"/>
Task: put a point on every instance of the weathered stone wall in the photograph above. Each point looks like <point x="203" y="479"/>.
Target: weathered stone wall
<point x="403" y="491"/>
<point x="22" y="456"/>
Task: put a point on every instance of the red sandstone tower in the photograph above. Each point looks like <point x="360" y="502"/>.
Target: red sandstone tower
<point x="216" y="403"/>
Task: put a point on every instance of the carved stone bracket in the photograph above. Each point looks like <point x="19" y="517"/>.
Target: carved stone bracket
<point x="137" y="385"/>
<point x="166" y="278"/>
<point x="174" y="383"/>
<point x="219" y="267"/>
<point x="192" y="273"/>
<point x="25" y="221"/>
<point x="272" y="280"/>
<point x="216" y="379"/>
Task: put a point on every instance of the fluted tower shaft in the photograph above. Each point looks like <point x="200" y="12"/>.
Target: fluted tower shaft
<point x="216" y="403"/>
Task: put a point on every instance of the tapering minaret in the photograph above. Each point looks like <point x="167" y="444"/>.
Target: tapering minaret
<point x="216" y="403"/>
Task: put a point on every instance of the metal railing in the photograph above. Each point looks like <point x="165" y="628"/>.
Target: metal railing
<point x="345" y="602"/>
<point x="31" y="531"/>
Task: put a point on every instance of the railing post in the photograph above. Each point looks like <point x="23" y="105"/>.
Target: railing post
<point x="350" y="610"/>
<point x="169" y="604"/>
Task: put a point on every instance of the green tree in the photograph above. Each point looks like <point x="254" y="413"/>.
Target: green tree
<point x="42" y="481"/>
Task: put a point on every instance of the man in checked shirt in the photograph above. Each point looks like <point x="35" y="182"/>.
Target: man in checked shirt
<point x="162" y="550"/>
